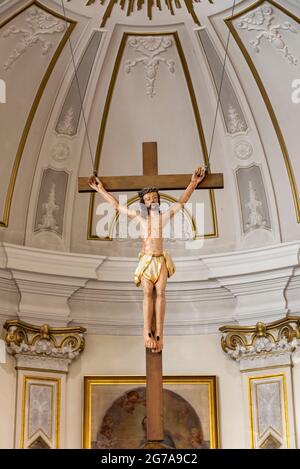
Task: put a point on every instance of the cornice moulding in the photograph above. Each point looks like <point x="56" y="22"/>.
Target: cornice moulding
<point x="253" y="260"/>
<point x="50" y="262"/>
<point x="99" y="292"/>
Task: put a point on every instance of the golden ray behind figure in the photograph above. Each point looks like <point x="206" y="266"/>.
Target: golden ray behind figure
<point x="148" y="5"/>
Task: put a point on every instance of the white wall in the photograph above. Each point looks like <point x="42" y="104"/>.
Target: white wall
<point x="296" y="389"/>
<point x="108" y="355"/>
<point x="198" y="355"/>
<point x="7" y="402"/>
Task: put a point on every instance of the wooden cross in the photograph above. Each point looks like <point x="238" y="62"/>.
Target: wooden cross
<point x="150" y="177"/>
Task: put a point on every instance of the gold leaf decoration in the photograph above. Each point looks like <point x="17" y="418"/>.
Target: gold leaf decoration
<point x="130" y="5"/>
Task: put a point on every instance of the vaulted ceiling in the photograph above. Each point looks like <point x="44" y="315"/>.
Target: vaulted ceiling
<point x="149" y="71"/>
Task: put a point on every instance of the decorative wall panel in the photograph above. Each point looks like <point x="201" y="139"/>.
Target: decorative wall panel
<point x="28" y="56"/>
<point x="253" y="199"/>
<point x="68" y="121"/>
<point x="268" y="412"/>
<point x="40" y="412"/>
<point x="233" y="116"/>
<point x="51" y="201"/>
<point x="268" y="36"/>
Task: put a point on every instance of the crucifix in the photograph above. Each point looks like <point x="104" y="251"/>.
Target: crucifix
<point x="150" y="176"/>
<point x="155" y="265"/>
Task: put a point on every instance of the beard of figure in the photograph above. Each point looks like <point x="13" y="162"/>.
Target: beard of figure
<point x="154" y="208"/>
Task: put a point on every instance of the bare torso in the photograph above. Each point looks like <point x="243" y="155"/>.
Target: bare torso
<point x="152" y="239"/>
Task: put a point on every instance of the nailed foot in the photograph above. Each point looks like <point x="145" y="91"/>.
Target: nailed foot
<point x="149" y="340"/>
<point x="159" y="342"/>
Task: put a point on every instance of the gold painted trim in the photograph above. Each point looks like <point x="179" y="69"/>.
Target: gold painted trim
<point x="23" y="413"/>
<point x="261" y="446"/>
<point x="189" y="83"/>
<point x="61" y="372"/>
<point x="267" y="367"/>
<point x="169" y="4"/>
<point x="210" y="381"/>
<point x="287" y="428"/>
<point x="265" y="96"/>
<point x="250" y="404"/>
<point x="36" y="102"/>
<point x="58" y="413"/>
<point x="215" y="233"/>
<point x="287" y="328"/>
<point x="285" y="404"/>
<point x="37" y="329"/>
<point x="57" y="381"/>
<point x="270" y="325"/>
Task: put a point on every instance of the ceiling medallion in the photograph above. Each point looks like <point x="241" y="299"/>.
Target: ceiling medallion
<point x="131" y="5"/>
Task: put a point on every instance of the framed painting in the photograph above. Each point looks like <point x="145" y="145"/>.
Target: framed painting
<point x="115" y="412"/>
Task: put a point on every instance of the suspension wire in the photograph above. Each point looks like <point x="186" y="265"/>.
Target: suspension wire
<point x="218" y="100"/>
<point x="79" y="94"/>
<point x="220" y="89"/>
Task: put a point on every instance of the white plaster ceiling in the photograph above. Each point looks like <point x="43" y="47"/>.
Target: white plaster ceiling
<point x="44" y="144"/>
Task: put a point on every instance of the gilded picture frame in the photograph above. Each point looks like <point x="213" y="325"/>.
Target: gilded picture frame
<point x="114" y="412"/>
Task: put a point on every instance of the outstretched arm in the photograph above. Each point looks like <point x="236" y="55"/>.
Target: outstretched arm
<point x="97" y="185"/>
<point x="196" y="178"/>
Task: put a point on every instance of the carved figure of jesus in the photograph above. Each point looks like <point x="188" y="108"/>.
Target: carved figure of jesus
<point x="155" y="265"/>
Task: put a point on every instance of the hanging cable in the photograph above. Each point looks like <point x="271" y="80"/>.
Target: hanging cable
<point x="79" y="94"/>
<point x="220" y="88"/>
<point x="218" y="99"/>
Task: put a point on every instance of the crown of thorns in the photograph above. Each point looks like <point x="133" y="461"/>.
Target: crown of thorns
<point x="147" y="190"/>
